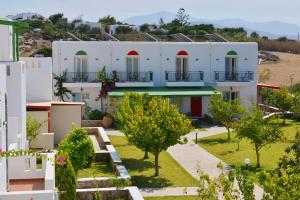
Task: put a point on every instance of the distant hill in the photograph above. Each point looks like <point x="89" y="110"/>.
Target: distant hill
<point x="272" y="29"/>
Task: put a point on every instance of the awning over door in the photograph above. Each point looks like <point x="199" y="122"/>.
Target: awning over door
<point x="165" y="91"/>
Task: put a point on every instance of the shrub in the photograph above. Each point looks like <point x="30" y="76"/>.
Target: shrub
<point x="65" y="177"/>
<point x="33" y="127"/>
<point x="95" y="115"/>
<point x="79" y="147"/>
<point x="46" y="52"/>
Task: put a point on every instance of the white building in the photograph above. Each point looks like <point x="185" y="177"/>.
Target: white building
<point x="17" y="172"/>
<point x="112" y="29"/>
<point x="24" y="16"/>
<point x="90" y="24"/>
<point x="186" y="72"/>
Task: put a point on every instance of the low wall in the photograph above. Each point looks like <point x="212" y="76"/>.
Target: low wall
<point x="33" y="195"/>
<point x="91" y="123"/>
<point x="43" y="141"/>
<point x="127" y="193"/>
<point x="25" y="167"/>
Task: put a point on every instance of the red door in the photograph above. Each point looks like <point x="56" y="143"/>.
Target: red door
<point x="196" y="106"/>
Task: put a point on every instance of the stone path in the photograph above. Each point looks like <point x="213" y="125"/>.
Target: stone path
<point x="192" y="157"/>
<point x="170" y="191"/>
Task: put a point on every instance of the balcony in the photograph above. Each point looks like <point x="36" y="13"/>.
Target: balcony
<point x="241" y="78"/>
<point x="187" y="79"/>
<point x="135" y="79"/>
<point x="81" y="79"/>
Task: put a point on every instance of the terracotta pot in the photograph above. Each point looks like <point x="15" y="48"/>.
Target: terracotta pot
<point x="107" y="121"/>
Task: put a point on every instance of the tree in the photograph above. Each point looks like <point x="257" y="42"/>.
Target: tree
<point x="152" y="123"/>
<point x="83" y="28"/>
<point x="108" y="20"/>
<point x="264" y="75"/>
<point x="225" y="112"/>
<point x="261" y="132"/>
<point x="254" y="35"/>
<point x="79" y="148"/>
<point x="145" y="27"/>
<point x="161" y="22"/>
<point x="182" y="17"/>
<point x="283" y="100"/>
<point x="56" y="17"/>
<point x="283" y="182"/>
<point x="61" y="91"/>
<point x="33" y="127"/>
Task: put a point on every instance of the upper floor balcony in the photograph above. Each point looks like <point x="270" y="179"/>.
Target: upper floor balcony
<point x="239" y="78"/>
<point x="81" y="79"/>
<point x="185" y="79"/>
<point x="135" y="79"/>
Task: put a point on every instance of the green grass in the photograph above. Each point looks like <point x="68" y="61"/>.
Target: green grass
<point x="173" y="197"/>
<point x="227" y="150"/>
<point x="97" y="169"/>
<point x="142" y="171"/>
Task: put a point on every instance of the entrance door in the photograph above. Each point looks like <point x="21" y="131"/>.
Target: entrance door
<point x="196" y="106"/>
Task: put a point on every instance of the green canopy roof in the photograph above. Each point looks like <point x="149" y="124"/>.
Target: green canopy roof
<point x="165" y="91"/>
<point x="81" y="53"/>
<point x="231" y="53"/>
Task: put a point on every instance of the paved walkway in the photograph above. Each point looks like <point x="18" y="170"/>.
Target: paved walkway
<point x="170" y="191"/>
<point x="191" y="157"/>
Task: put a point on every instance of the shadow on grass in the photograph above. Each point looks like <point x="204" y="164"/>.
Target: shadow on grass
<point x="150" y="182"/>
<point x="137" y="165"/>
<point x="216" y="141"/>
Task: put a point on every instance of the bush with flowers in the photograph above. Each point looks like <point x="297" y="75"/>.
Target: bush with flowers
<point x="65" y="177"/>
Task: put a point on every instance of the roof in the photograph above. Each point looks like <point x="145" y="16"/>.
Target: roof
<point x="48" y="104"/>
<point x="262" y="85"/>
<point x="165" y="91"/>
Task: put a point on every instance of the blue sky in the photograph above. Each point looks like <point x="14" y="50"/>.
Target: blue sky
<point x="251" y="10"/>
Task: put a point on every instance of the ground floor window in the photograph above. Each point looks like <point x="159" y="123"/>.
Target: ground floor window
<point x="82" y="97"/>
<point x="230" y="96"/>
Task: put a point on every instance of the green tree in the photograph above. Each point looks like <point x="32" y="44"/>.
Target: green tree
<point x="182" y="17"/>
<point x="226" y="112"/>
<point x="33" y="127"/>
<point x="161" y="22"/>
<point x="65" y="177"/>
<point x="283" y="100"/>
<point x="79" y="148"/>
<point x="261" y="132"/>
<point x="56" y="17"/>
<point x="61" y="91"/>
<point x="152" y="122"/>
<point x="254" y="35"/>
<point x="283" y="182"/>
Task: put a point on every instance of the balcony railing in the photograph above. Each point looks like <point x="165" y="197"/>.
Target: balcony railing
<point x="242" y="76"/>
<point x="172" y="76"/>
<point x="81" y="77"/>
<point x="135" y="76"/>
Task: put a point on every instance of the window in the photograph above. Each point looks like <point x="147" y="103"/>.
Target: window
<point x="82" y="97"/>
<point x="230" y="65"/>
<point x="230" y="96"/>
<point x="81" y="62"/>
<point x="181" y="65"/>
<point x="132" y="66"/>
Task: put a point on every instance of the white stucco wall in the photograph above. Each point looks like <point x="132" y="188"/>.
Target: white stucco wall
<point x="6" y="47"/>
<point x="16" y="98"/>
<point x="159" y="57"/>
<point x="38" y="79"/>
<point x="2" y="127"/>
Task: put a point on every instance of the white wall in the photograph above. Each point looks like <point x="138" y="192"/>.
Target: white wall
<point x="159" y="57"/>
<point x="38" y="79"/>
<point x="3" y="174"/>
<point x="6" y="44"/>
<point x="16" y="98"/>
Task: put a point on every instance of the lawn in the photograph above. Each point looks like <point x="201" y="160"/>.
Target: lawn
<point x="172" y="197"/>
<point x="227" y="150"/>
<point x="142" y="171"/>
<point x="97" y="169"/>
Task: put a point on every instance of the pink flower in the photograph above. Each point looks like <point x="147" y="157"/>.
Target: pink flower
<point x="61" y="160"/>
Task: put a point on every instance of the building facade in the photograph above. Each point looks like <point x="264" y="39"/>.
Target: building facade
<point x="186" y="72"/>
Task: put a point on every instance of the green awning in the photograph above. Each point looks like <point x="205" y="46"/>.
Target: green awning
<point x="165" y="91"/>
